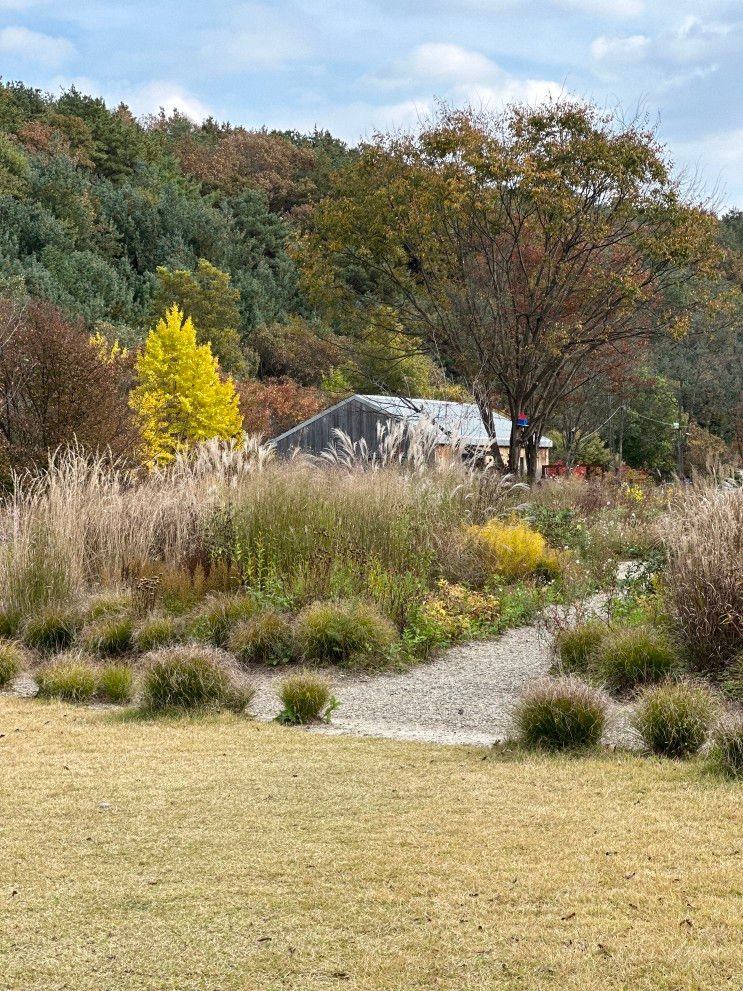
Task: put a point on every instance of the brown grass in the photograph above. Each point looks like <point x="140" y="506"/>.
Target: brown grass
<point x="233" y="855"/>
<point x="704" y="578"/>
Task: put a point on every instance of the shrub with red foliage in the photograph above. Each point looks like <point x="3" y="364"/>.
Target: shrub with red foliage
<point x="56" y="389"/>
<point x="271" y="407"/>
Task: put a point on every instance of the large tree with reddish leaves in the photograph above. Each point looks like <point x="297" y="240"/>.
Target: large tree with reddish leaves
<point x="57" y="388"/>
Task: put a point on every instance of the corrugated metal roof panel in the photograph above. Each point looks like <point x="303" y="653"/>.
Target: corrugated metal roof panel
<point x="455" y="420"/>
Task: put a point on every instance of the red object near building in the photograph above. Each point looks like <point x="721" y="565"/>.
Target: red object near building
<point x="560" y="470"/>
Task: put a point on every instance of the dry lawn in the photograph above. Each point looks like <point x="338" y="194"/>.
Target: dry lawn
<point x="221" y="854"/>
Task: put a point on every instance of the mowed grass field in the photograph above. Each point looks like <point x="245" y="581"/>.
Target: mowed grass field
<point x="218" y="854"/>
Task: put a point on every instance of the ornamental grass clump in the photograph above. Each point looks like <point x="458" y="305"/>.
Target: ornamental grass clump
<point x="347" y="632"/>
<point x="111" y="634"/>
<point x="630" y="657"/>
<point x="576" y="647"/>
<point x="193" y="677"/>
<point x="50" y="630"/>
<point x="560" y="714"/>
<point x="674" y="718"/>
<point x="107" y="604"/>
<point x="726" y="752"/>
<point x="306" y="698"/>
<point x="268" y="638"/>
<point x="212" y="621"/>
<point x="71" y="677"/>
<point x="12" y="659"/>
<point x="156" y="630"/>
<point x="116" y="683"/>
<point x="703" y="580"/>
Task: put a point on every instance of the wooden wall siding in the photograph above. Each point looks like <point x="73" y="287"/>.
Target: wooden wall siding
<point x="354" y="418"/>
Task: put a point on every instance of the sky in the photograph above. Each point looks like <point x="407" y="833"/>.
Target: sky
<point x="357" y="66"/>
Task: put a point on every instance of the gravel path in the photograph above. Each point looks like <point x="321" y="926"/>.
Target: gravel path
<point x="464" y="696"/>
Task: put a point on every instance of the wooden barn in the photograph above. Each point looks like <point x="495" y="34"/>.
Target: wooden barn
<point x="362" y="417"/>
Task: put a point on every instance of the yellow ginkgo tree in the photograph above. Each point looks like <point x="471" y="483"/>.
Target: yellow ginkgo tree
<point x="179" y="397"/>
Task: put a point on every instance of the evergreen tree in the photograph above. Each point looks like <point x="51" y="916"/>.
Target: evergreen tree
<point x="208" y="298"/>
<point x="180" y="398"/>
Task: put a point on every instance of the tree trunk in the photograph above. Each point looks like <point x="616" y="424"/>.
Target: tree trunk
<point x="514" y="444"/>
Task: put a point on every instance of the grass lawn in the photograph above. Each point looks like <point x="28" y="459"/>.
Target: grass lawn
<point x="217" y="854"/>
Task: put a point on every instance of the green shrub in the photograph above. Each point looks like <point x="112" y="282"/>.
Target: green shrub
<point x="344" y="632"/>
<point x="12" y="659"/>
<point x="306" y="698"/>
<point x="157" y="630"/>
<point x="111" y="634"/>
<point x="193" y="677"/>
<point x="10" y="621"/>
<point x="116" y="683"/>
<point x="212" y="621"/>
<point x="266" y="639"/>
<point x="633" y="656"/>
<point x="726" y="753"/>
<point x="560" y="527"/>
<point x="560" y="714"/>
<point x="51" y="630"/>
<point x="576" y="647"/>
<point x="673" y="718"/>
<point x="71" y="677"/>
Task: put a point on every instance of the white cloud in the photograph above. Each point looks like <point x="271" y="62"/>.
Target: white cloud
<point x="460" y="74"/>
<point x="441" y="61"/>
<point x="621" y="51"/>
<point x="150" y="97"/>
<point x="604" y="8"/>
<point x="695" y="40"/>
<point x="259" y="38"/>
<point x="359" y="119"/>
<point x="34" y="46"/>
<point x="141" y="100"/>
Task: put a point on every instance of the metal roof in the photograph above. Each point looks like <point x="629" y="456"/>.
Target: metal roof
<point x="456" y="421"/>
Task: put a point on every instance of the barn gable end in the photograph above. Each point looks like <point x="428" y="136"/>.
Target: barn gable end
<point x="355" y="417"/>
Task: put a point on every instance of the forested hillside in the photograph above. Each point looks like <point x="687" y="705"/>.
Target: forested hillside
<point x="107" y="221"/>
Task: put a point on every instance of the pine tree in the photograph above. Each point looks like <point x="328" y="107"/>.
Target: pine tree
<point x="180" y="398"/>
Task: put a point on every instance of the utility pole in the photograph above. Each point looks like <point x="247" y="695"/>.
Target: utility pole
<point x="680" y="448"/>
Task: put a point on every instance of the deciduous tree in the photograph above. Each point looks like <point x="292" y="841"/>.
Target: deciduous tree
<point x="179" y="398"/>
<point x="514" y="245"/>
<point x="56" y="390"/>
<point x="271" y="407"/>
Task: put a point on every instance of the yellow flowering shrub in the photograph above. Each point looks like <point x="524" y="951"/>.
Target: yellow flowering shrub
<point x="512" y="548"/>
<point x="633" y="493"/>
<point x="458" y="611"/>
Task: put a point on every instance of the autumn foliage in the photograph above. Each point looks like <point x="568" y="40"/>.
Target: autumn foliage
<point x="180" y="398"/>
<point x="269" y="408"/>
<point x="57" y="390"/>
